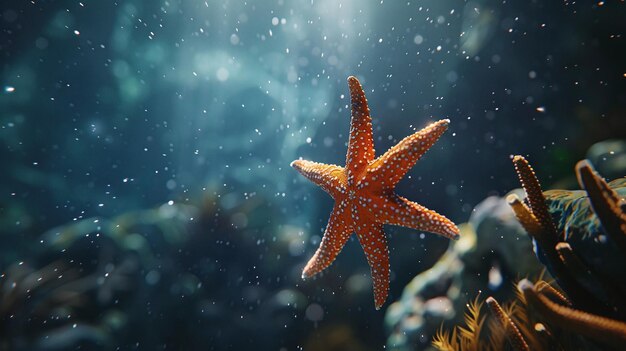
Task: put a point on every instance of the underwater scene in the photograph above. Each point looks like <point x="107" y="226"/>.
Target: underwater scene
<point x="312" y="175"/>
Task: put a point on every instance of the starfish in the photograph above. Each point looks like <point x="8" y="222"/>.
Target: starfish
<point x="365" y="198"/>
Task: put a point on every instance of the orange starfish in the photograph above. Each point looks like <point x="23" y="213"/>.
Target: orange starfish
<point x="364" y="194"/>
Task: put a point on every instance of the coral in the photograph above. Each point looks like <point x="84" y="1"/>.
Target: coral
<point x="492" y="252"/>
<point x="598" y="315"/>
<point x="606" y="203"/>
<point x="463" y="338"/>
<point x="512" y="326"/>
<point x="591" y="304"/>
<point x="586" y="245"/>
<point x="511" y="331"/>
<point x="538" y="222"/>
<point x="600" y="328"/>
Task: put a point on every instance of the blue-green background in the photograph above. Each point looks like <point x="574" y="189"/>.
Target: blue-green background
<point x="109" y="107"/>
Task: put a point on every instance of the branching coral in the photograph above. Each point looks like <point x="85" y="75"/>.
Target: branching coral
<point x="511" y="331"/>
<point x="508" y="326"/>
<point x="494" y="248"/>
<point x="589" y="315"/>
<point x="537" y="220"/>
<point x="463" y="338"/>
<point x="591" y="304"/>
<point x="600" y="328"/>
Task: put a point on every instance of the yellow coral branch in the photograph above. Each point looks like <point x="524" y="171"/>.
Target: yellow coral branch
<point x="548" y="290"/>
<point x="525" y="216"/>
<point x="536" y="200"/>
<point x="511" y="331"/>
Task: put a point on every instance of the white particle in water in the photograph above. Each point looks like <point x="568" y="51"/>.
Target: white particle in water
<point x="234" y="39"/>
<point x="222" y="74"/>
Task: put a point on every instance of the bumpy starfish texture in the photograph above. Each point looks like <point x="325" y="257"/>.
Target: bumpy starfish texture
<point x="364" y="194"/>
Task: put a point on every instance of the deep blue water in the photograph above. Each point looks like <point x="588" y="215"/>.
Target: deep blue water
<point x="151" y="141"/>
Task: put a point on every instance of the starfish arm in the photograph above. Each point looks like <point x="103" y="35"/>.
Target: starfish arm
<point x="361" y="142"/>
<point x="331" y="178"/>
<point x="397" y="210"/>
<point x="337" y="233"/>
<point x="387" y="170"/>
<point x="364" y="194"/>
<point x="374" y="243"/>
